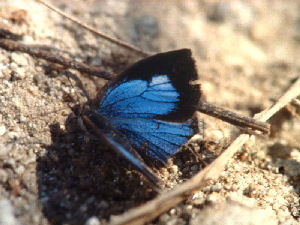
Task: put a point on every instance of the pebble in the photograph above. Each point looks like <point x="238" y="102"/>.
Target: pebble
<point x="7" y="216"/>
<point x="164" y="172"/>
<point x="173" y="169"/>
<point x="92" y="221"/>
<point x="199" y="201"/>
<point x="265" y="29"/>
<point x="11" y="162"/>
<point x="19" y="59"/>
<point x="231" y="212"/>
<point x="3" y="176"/>
<point x="7" y="84"/>
<point x="214" y="197"/>
<point x="215" y="136"/>
<point x="4" y="150"/>
<point x="22" y="118"/>
<point x="13" y="135"/>
<point x="2" y="130"/>
<point x="172" y="211"/>
<point x="19" y="73"/>
<point x="20" y="170"/>
<point x="216" y="188"/>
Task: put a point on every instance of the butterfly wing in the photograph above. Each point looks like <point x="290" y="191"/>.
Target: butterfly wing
<point x="158" y="139"/>
<point x="152" y="103"/>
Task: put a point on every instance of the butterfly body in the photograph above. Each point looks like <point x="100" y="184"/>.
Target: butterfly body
<point x="148" y="109"/>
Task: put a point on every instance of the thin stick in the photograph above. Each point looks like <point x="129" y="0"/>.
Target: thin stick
<point x="209" y="109"/>
<point x="102" y="35"/>
<point x="233" y="118"/>
<point x="164" y="202"/>
<point x="54" y="58"/>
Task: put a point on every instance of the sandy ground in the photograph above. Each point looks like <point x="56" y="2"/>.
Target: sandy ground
<point x="53" y="172"/>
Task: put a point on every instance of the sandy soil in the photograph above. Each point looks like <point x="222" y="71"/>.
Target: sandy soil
<point x="54" y="172"/>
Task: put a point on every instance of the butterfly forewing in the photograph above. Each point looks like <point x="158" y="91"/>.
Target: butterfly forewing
<point x="137" y="98"/>
<point x="152" y="103"/>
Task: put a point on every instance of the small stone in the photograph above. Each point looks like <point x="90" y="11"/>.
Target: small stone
<point x="1" y="72"/>
<point x="22" y="118"/>
<point x="7" y="216"/>
<point x="199" y="201"/>
<point x="214" y="197"/>
<point x="265" y="29"/>
<point x="13" y="135"/>
<point x="92" y="221"/>
<point x="95" y="61"/>
<point x="233" y="213"/>
<point x="4" y="150"/>
<point x="215" y="136"/>
<point x="173" y="169"/>
<point x="20" y="170"/>
<point x="172" y="211"/>
<point x="19" y="59"/>
<point x="164" y="172"/>
<point x="19" y="73"/>
<point x="189" y="207"/>
<point x="11" y="162"/>
<point x="164" y="218"/>
<point x="3" y="176"/>
<point x="2" y="130"/>
<point x="216" y="188"/>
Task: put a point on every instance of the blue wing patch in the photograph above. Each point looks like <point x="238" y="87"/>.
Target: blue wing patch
<point x="132" y="107"/>
<point x="161" y="138"/>
<point x="138" y="98"/>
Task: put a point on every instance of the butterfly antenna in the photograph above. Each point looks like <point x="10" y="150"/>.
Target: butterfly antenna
<point x="94" y="31"/>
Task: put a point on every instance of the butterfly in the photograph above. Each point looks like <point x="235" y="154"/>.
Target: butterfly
<point x="148" y="109"/>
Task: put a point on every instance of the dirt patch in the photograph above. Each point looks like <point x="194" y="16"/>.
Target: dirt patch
<point x="53" y="172"/>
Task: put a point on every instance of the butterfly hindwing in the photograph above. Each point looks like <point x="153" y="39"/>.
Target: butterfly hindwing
<point x="152" y="103"/>
<point x="159" y="139"/>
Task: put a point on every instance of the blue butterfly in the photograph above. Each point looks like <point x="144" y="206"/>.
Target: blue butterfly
<point x="148" y="109"/>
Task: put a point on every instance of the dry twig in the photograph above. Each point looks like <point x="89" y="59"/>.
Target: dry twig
<point x="39" y="52"/>
<point x="246" y="124"/>
<point x="165" y="201"/>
